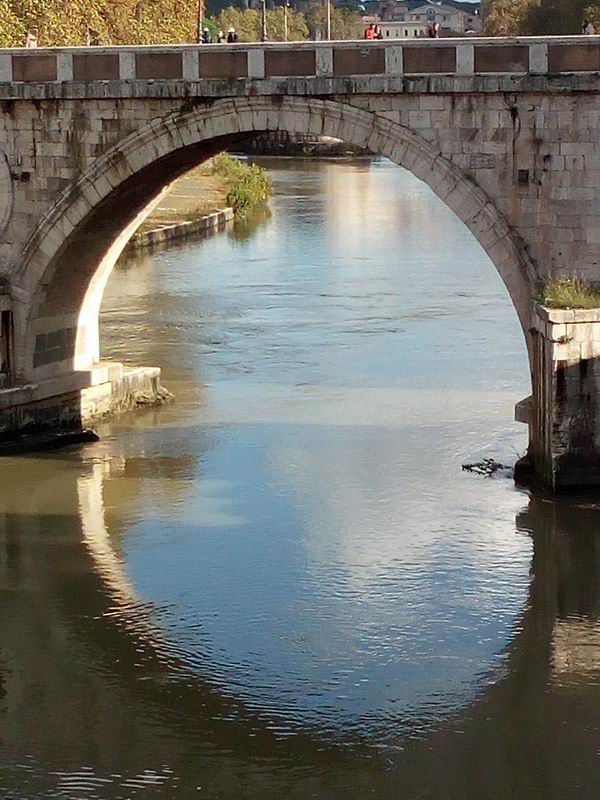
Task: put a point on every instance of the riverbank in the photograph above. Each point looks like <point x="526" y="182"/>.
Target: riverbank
<point x="176" y="231"/>
<point x="203" y="201"/>
<point x="55" y="409"/>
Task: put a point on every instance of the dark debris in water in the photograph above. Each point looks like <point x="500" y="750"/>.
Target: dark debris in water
<point x="487" y="467"/>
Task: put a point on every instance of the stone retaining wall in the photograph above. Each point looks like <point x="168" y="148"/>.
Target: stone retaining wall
<point x="208" y="224"/>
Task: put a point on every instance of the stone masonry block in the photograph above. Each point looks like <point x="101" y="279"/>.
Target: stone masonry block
<point x="432" y="103"/>
<point x="419" y="119"/>
<point x="569" y="352"/>
<point x="315" y="124"/>
<point x="581" y="331"/>
<point x="590" y="350"/>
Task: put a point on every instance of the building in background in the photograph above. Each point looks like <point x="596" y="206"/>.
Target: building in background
<point x="401" y="30"/>
<point x="454" y="17"/>
<point x="450" y="18"/>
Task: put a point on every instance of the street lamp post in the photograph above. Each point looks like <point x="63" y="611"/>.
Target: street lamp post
<point x="328" y="20"/>
<point x="199" y="20"/>
<point x="263" y="32"/>
<point x="285" y="21"/>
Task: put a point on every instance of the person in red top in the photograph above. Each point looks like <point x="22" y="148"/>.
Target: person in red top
<point x="370" y="31"/>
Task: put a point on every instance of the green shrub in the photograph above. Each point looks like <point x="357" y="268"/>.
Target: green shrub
<point x="248" y="185"/>
<point x="569" y="293"/>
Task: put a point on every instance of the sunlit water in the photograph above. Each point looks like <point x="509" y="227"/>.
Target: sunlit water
<point x="284" y="583"/>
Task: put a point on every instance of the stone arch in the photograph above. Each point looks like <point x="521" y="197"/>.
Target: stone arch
<point x="6" y="192"/>
<point x="68" y="260"/>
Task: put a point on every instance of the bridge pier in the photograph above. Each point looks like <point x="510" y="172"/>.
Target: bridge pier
<point x="564" y="410"/>
<point x="77" y="399"/>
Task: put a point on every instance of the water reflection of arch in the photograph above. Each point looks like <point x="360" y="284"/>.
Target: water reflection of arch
<point x="93" y="665"/>
<point x="494" y="746"/>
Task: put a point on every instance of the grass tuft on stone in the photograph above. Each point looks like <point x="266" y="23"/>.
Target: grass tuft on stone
<point x="569" y="293"/>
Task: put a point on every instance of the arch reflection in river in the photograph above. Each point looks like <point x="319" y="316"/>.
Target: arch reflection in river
<point x="88" y="652"/>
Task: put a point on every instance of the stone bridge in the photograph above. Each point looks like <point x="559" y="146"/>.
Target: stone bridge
<point x="505" y="132"/>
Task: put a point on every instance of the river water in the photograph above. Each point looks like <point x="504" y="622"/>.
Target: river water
<point x="284" y="585"/>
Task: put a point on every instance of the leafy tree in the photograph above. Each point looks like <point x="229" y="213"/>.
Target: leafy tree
<point x="547" y="17"/>
<point x="296" y="23"/>
<point x="538" y="17"/>
<point x="13" y="28"/>
<point x="214" y="7"/>
<point x="248" y="24"/>
<point x="68" y="22"/>
<point x="346" y="23"/>
<point x="506" y="17"/>
<point x="592" y="11"/>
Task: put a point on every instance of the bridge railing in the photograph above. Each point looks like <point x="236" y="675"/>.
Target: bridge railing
<point x="336" y="59"/>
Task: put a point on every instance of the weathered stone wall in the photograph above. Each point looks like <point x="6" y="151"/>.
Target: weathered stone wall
<point x="520" y="118"/>
<point x="565" y="421"/>
<point x="536" y="155"/>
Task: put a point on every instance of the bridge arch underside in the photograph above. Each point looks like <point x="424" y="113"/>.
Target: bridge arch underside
<point x="68" y="261"/>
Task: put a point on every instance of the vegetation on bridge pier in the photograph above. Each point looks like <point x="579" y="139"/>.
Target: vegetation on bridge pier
<point x="569" y="293"/>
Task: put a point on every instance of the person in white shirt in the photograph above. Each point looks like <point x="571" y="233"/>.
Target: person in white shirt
<point x="588" y="28"/>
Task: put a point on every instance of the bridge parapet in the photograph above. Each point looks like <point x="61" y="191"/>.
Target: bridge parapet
<point x="533" y="56"/>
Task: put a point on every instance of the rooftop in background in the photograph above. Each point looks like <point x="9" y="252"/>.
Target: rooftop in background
<point x="455" y="18"/>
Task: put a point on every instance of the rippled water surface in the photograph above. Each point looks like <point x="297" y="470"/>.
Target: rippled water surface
<point x="284" y="584"/>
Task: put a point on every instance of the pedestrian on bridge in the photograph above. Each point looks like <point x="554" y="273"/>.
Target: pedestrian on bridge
<point x="232" y="36"/>
<point x="588" y="28"/>
<point x="433" y="29"/>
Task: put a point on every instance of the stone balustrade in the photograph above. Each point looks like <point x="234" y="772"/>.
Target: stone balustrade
<point x="337" y="59"/>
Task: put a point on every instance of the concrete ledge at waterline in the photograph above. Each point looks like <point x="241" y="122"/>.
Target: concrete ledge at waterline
<point x="77" y="400"/>
<point x="34" y="392"/>
<point x="181" y="230"/>
<point x="574" y="333"/>
<point x="561" y="316"/>
<point x="137" y="386"/>
<point x="564" y="428"/>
